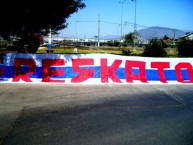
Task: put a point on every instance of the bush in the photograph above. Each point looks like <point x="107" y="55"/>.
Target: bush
<point x="124" y="44"/>
<point x="185" y="48"/>
<point x="126" y="51"/>
<point x="34" y="42"/>
<point x="113" y="43"/>
<point x="116" y="43"/>
<point x="3" y="46"/>
<point x="110" y="43"/>
<point x="19" y="46"/>
<point x="154" y="49"/>
<point x="88" y="43"/>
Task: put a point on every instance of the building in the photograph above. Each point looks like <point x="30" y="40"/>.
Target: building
<point x="188" y="36"/>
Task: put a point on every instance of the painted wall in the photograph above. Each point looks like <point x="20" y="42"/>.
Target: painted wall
<point x="95" y="69"/>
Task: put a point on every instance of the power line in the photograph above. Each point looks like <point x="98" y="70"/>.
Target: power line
<point x="138" y="25"/>
<point x="85" y="21"/>
<point x="110" y="22"/>
<point x="127" y="23"/>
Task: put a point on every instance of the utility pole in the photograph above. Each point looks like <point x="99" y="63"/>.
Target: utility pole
<point x="98" y="30"/>
<point x="122" y="2"/>
<point x="174" y="36"/>
<point x="118" y="31"/>
<point x="76" y="32"/>
<point x="135" y="25"/>
<point x="50" y="39"/>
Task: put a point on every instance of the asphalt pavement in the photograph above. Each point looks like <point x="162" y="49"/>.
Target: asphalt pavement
<point x="58" y="114"/>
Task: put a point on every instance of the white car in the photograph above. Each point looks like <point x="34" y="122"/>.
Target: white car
<point x="46" y="44"/>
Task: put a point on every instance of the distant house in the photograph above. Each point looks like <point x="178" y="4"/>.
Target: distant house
<point x="188" y="36"/>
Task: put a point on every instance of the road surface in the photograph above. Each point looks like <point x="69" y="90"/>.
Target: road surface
<point x="54" y="114"/>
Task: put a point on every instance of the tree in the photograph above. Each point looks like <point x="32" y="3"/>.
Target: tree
<point x="129" y="37"/>
<point x="155" y="49"/>
<point x="22" y="19"/>
<point x="116" y="43"/>
<point x="185" y="48"/>
<point x="188" y="33"/>
<point x="110" y="43"/>
<point x="165" y="37"/>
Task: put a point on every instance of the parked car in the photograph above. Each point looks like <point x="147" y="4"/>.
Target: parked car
<point x="46" y="44"/>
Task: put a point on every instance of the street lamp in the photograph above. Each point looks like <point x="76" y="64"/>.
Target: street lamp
<point x="122" y="2"/>
<point x="50" y="40"/>
<point x="118" y="31"/>
<point x="98" y="30"/>
<point x="76" y="31"/>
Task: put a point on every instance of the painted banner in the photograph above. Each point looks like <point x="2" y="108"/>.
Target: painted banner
<point x="95" y="69"/>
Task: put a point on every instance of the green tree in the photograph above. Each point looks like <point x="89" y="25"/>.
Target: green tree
<point x="22" y="19"/>
<point x="165" y="37"/>
<point x="110" y="43"/>
<point x="34" y="42"/>
<point x="188" y="33"/>
<point x="116" y="43"/>
<point x="155" y="49"/>
<point x="185" y="48"/>
<point x="129" y="37"/>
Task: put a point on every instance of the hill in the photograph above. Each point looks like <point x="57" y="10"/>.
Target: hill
<point x="110" y="37"/>
<point x="152" y="32"/>
<point x="160" y="32"/>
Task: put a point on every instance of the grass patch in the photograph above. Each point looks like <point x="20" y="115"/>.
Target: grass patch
<point x="65" y="50"/>
<point x="171" y="52"/>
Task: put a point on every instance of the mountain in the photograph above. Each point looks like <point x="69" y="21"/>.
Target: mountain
<point x="160" y="32"/>
<point x="151" y="32"/>
<point x="110" y="37"/>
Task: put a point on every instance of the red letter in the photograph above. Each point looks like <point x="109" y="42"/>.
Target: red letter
<point x="178" y="69"/>
<point x="2" y="71"/>
<point x="160" y="67"/>
<point x="84" y="73"/>
<point x="130" y="76"/>
<point x="17" y="69"/>
<point x="46" y="72"/>
<point x="109" y="72"/>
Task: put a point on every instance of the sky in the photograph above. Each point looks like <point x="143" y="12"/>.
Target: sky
<point x="175" y="14"/>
